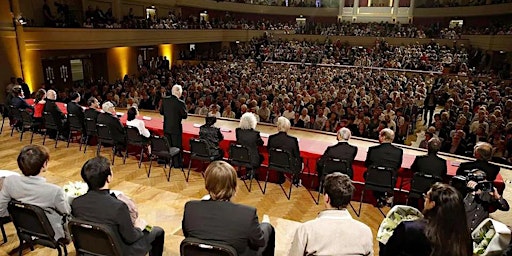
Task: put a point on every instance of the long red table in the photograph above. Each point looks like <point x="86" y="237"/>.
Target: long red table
<point x="310" y="149"/>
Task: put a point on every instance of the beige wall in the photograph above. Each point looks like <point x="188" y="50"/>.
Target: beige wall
<point x="10" y="63"/>
<point x="487" y="10"/>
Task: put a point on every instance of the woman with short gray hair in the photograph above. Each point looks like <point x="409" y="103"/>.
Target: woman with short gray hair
<point x="247" y="135"/>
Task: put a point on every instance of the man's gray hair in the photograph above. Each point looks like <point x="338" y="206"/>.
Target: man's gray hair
<point x="177" y="90"/>
<point x="387" y="135"/>
<point x="248" y="121"/>
<point x="344" y="134"/>
<point x="434" y="145"/>
<point x="107" y="106"/>
<point x="51" y="94"/>
<point x="283" y="124"/>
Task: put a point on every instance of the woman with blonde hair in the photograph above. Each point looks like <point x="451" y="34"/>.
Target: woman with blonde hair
<point x="220" y="220"/>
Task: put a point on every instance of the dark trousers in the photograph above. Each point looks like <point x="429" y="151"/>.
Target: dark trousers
<point x="175" y="141"/>
<point x="269" y="235"/>
<point x="156" y="239"/>
<point x="430" y="112"/>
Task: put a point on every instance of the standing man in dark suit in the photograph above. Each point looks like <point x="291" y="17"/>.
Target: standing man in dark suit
<point x="174" y="110"/>
<point x="75" y="109"/>
<point x="289" y="143"/>
<point x="113" y="123"/>
<point x="482" y="153"/>
<point x="385" y="155"/>
<point x="99" y="206"/>
<point x="220" y="220"/>
<point x="51" y="107"/>
<point x="431" y="163"/>
<point x="342" y="151"/>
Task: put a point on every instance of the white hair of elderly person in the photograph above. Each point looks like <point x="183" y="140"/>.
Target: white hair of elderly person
<point x="177" y="90"/>
<point x="108" y="107"/>
<point x="344" y="134"/>
<point x="248" y="121"/>
<point x="51" y="95"/>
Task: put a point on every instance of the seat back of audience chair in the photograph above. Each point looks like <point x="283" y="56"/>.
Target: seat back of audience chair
<point x="197" y="247"/>
<point x="93" y="239"/>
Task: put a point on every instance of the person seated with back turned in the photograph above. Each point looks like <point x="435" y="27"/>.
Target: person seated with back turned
<point x="442" y="231"/>
<point x="479" y="201"/>
<point x="59" y="118"/>
<point x="334" y="232"/>
<point x="220" y="220"/>
<point x="431" y="163"/>
<point x="110" y="119"/>
<point x="32" y="188"/>
<point x="99" y="206"/>
<point x="282" y="140"/>
<point x="342" y="150"/>
<point x="17" y="99"/>
<point x="74" y="108"/>
<point x="92" y="110"/>
<point x="482" y="153"/>
<point x="384" y="155"/>
<point x="212" y="136"/>
<point x="132" y="120"/>
<point x="247" y="135"/>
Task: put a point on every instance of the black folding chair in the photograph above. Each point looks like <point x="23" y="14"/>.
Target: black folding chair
<point x="332" y="165"/>
<point x="75" y="126"/>
<point x="93" y="239"/>
<point x="104" y="137"/>
<point x="3" y="221"/>
<point x="240" y="156"/>
<point x="90" y="131"/>
<point x="378" y="179"/>
<point x="161" y="149"/>
<point x="281" y="160"/>
<point x="421" y="183"/>
<point x="50" y="124"/>
<point x="15" y="116"/>
<point x="31" y="222"/>
<point x="28" y="123"/>
<point x="5" y="114"/>
<point x="197" y="247"/>
<point x="199" y="150"/>
<point x="133" y="137"/>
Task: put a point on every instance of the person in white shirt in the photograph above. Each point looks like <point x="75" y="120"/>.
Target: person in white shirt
<point x="139" y="124"/>
<point x="334" y="232"/>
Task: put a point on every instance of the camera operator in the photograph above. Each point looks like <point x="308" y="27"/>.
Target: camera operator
<point x="481" y="199"/>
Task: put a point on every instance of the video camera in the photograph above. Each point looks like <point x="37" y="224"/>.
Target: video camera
<point x="460" y="182"/>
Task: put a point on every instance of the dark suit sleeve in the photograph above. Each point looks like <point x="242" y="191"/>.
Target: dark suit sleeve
<point x="460" y="170"/>
<point x="220" y="135"/>
<point x="368" y="162"/>
<point x="183" y="110"/>
<point x="162" y="107"/>
<point x="128" y="232"/>
<point x="25" y="105"/>
<point x="259" y="141"/>
<point x="414" y="165"/>
<point x="256" y="237"/>
<point x="400" y="159"/>
<point x="394" y="244"/>
<point x="355" y="153"/>
<point x="296" y="150"/>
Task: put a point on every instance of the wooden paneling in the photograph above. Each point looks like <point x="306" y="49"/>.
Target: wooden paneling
<point x="489" y="10"/>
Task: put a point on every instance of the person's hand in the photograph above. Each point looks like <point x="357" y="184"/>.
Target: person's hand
<point x="495" y="194"/>
<point x="141" y="224"/>
<point x="471" y="184"/>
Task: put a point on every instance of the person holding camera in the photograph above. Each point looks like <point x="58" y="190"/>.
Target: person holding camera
<point x="481" y="199"/>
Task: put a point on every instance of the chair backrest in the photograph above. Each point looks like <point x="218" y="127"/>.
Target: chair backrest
<point x="49" y="121"/>
<point x="74" y="122"/>
<point x="3" y="111"/>
<point x="90" y="126"/>
<point x="133" y="136"/>
<point x="199" y="147"/>
<point x="421" y="183"/>
<point x="193" y="247"/>
<point x="26" y="118"/>
<point x="332" y="165"/>
<point x="239" y="154"/>
<point x="280" y="160"/>
<point x="104" y="133"/>
<point x="159" y="144"/>
<point x="31" y="221"/>
<point x="14" y="113"/>
<point x="93" y="239"/>
<point x="380" y="178"/>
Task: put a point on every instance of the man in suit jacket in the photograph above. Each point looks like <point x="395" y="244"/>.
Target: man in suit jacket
<point x="289" y="143"/>
<point x="431" y="163"/>
<point x="99" y="206"/>
<point x="342" y="151"/>
<point x="75" y="109"/>
<point x="32" y="188"/>
<point x="110" y="119"/>
<point x="51" y="107"/>
<point x="220" y="220"/>
<point x="174" y="111"/>
<point x="326" y="235"/>
<point x="92" y="110"/>
<point x="482" y="153"/>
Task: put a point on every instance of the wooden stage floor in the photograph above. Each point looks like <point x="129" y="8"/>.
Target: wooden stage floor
<point x="161" y="203"/>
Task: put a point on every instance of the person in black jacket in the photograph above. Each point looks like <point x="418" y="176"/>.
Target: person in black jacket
<point x="113" y="123"/>
<point x="99" y="206"/>
<point x="59" y="118"/>
<point x="431" y="163"/>
<point x="342" y="150"/>
<point x="220" y="220"/>
<point x="75" y="109"/>
<point x="247" y="135"/>
<point x="430" y="106"/>
<point x="92" y="110"/>
<point x="212" y="136"/>
<point x="174" y="111"/>
<point x="17" y="101"/>
<point x="482" y="153"/>
<point x="289" y="143"/>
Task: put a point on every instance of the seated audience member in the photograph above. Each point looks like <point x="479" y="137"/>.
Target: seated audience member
<point x="329" y="232"/>
<point x="32" y="188"/>
<point x="455" y="146"/>
<point x="443" y="230"/>
<point x="74" y="108"/>
<point x="431" y="163"/>
<point x="479" y="203"/>
<point x="110" y="119"/>
<point x="424" y="142"/>
<point x="52" y="108"/>
<point x="247" y="135"/>
<point x="385" y="155"/>
<point x="132" y="120"/>
<point x="289" y="143"/>
<point x="482" y="153"/>
<point x="212" y="136"/>
<point x="39" y="103"/>
<point x="17" y="99"/>
<point x="92" y="110"/>
<point x="99" y="206"/>
<point x="342" y="150"/>
<point x="220" y="220"/>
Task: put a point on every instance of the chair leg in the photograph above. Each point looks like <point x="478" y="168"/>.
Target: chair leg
<point x="113" y="154"/>
<point x="56" y="139"/>
<point x="320" y="184"/>
<point x="248" y="174"/>
<point x="12" y="130"/>
<point x="2" y="127"/>
<point x="64" y="247"/>
<point x="126" y="155"/>
<point x="32" y="137"/>
<point x="20" y="252"/>
<point x="81" y="141"/>
<point x="69" y="137"/>
<point x="150" y="164"/>
<point x="22" y="132"/>
<point x="141" y="155"/>
<point x="189" y="166"/>
<point x="86" y="142"/>
<point x="44" y="136"/>
<point x="168" y="176"/>
<point x="98" y="149"/>
<point x="59" y="250"/>
<point x="3" y="233"/>
<point x="360" y="203"/>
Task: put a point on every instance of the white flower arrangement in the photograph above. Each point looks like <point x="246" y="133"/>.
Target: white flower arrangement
<point x="394" y="217"/>
<point x="75" y="189"/>
<point x="490" y="238"/>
